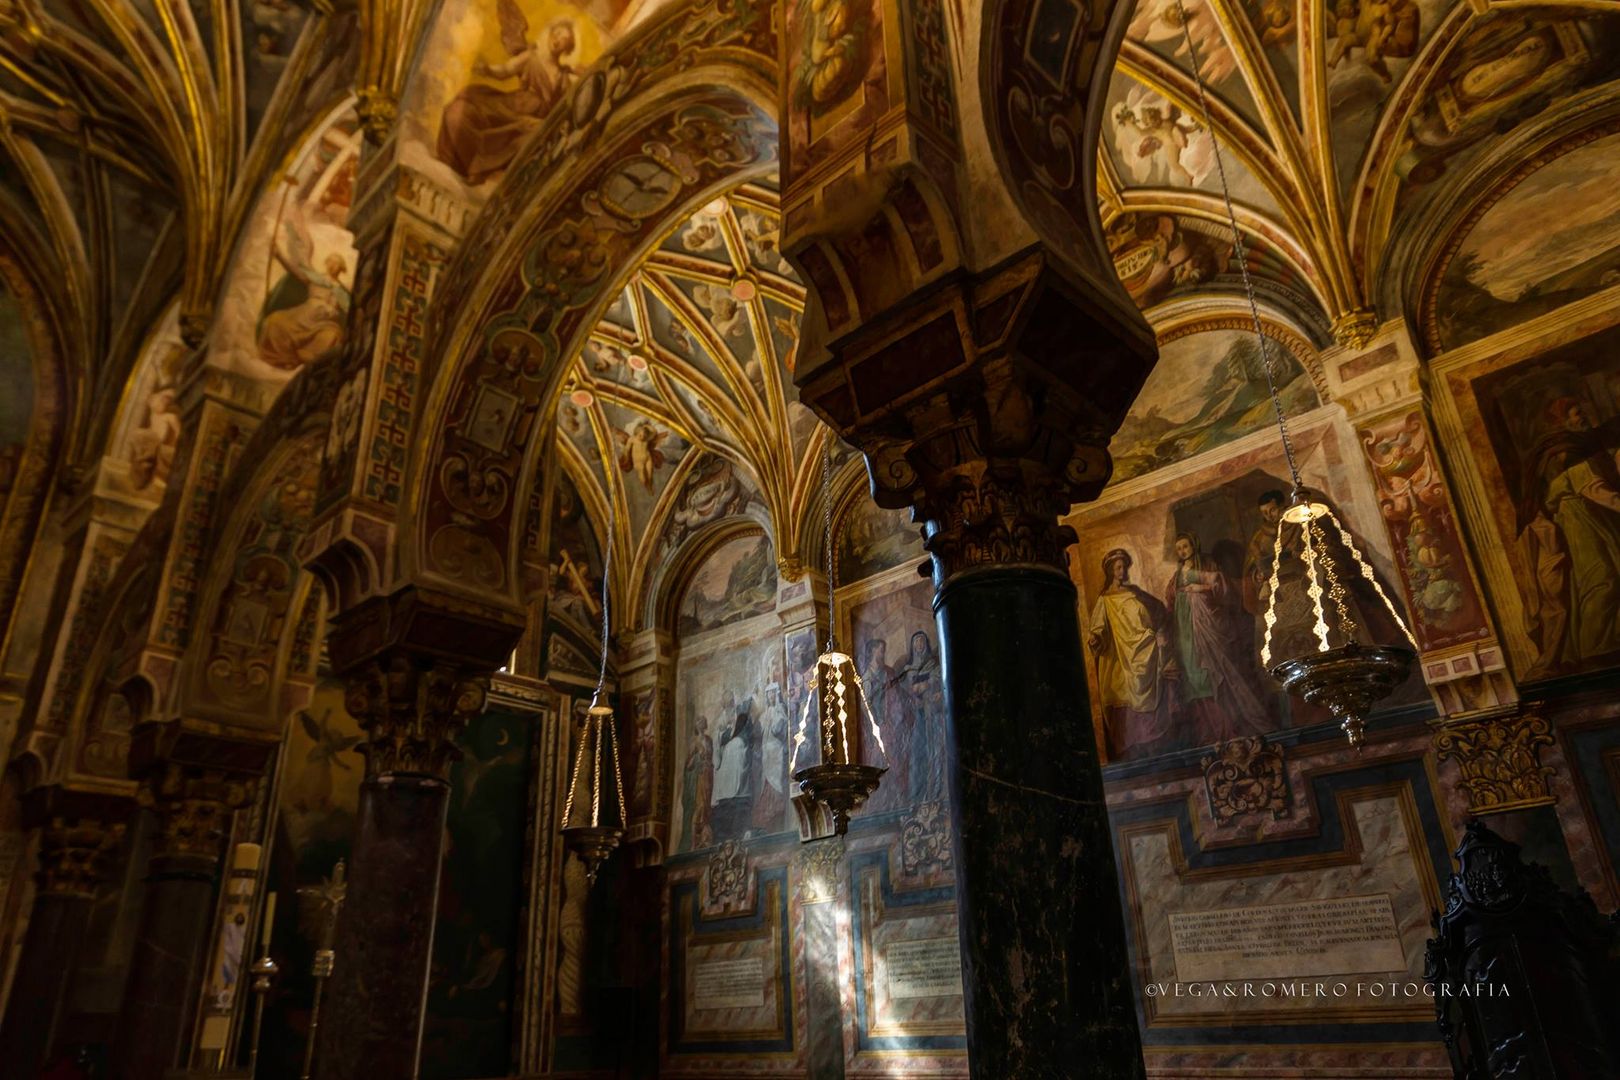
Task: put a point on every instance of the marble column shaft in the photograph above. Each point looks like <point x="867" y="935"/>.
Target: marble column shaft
<point x="986" y="407"/>
<point x="166" y="967"/>
<point x="1045" y="969"/>
<point x="411" y="711"/>
<point x="70" y="857"/>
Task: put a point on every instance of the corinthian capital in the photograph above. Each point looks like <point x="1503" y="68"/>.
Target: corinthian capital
<point x="987" y="407"/>
<point x="411" y="710"/>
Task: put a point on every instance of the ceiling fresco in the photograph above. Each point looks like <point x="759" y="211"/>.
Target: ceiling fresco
<point x="1324" y="148"/>
<point x="680" y="411"/>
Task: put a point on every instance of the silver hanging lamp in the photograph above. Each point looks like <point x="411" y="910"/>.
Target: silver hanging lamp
<point x="1320" y="651"/>
<point x="834" y="688"/>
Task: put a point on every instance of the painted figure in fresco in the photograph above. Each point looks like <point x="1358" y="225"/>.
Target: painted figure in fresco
<point x="1136" y="672"/>
<point x="305" y="315"/>
<point x="837" y="53"/>
<point x="1210" y="652"/>
<point x="641" y="450"/>
<point x="1380" y="28"/>
<point x="1570" y="521"/>
<point x="1172" y="21"/>
<point x="733" y="798"/>
<point x="1158" y="144"/>
<point x="697" y="789"/>
<point x="151" y="445"/>
<point x="925" y="693"/>
<point x="641" y="791"/>
<point x="483" y="126"/>
<point x="895" y="716"/>
<point x="770" y="808"/>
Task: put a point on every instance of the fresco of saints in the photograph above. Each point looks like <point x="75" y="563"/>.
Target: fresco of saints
<point x="1570" y="521"/>
<point x="484" y="126"/>
<point x="304" y="316"/>
<point x="733" y="796"/>
<point x="697" y="793"/>
<point x="920" y="677"/>
<point x="1210" y="653"/>
<point x="1136" y="672"/>
<point x="895" y="717"/>
<point x="770" y="807"/>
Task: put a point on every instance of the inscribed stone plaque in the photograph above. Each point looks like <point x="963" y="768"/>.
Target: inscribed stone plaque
<point x="928" y="968"/>
<point x="1342" y="936"/>
<point x="728" y="984"/>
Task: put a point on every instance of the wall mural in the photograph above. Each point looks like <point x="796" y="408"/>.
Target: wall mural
<point x="1548" y="239"/>
<point x="737" y="580"/>
<point x="889" y="628"/>
<point x="1547" y="448"/>
<point x="286" y="303"/>
<point x="1174" y="583"/>
<point x="317" y="797"/>
<point x="1167" y="425"/>
<point x="490" y="74"/>
<point x="1509" y="67"/>
<point x="872" y="539"/>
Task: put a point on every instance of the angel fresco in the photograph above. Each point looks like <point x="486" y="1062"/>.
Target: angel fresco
<point x="641" y="450"/>
<point x="1159" y="144"/>
<point x="1173" y="21"/>
<point x="837" y="53"/>
<point x="1379" y="28"/>
<point x="304" y="316"/>
<point x="483" y="126"/>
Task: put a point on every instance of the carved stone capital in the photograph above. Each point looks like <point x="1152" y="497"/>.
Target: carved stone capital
<point x="1499" y="759"/>
<point x="986" y="406"/>
<point x="378" y="110"/>
<point x="78" y="828"/>
<point x="411" y="711"/>
<point x="194" y="807"/>
<point x="71" y="857"/>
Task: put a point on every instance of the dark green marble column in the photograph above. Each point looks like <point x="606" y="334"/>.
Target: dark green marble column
<point x="411" y="710"/>
<point x="71" y="851"/>
<point x="1045" y="972"/>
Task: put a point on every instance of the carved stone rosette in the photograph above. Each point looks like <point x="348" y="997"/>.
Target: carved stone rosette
<point x="194" y="807"/>
<point x="71" y="856"/>
<point x="411" y="714"/>
<point x="1499" y="759"/>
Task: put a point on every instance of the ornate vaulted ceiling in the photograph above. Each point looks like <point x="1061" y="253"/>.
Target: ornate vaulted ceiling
<point x="680" y="412"/>
<point x="1339" y="122"/>
<point x="130" y="151"/>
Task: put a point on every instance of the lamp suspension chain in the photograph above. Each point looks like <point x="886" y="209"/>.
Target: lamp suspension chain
<point x="1240" y="248"/>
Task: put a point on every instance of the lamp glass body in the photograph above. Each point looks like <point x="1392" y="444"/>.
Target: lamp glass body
<point x="594" y="814"/>
<point x="837" y="781"/>
<point x="1326" y="612"/>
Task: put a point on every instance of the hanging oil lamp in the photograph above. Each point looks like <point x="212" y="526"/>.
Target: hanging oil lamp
<point x="833" y="687"/>
<point x="1324" y="653"/>
<point x="596" y="760"/>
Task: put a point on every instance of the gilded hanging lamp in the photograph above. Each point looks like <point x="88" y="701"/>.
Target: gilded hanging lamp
<point x="833" y="687"/>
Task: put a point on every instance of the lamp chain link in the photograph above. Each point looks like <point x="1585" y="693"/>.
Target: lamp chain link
<point x="1241" y="249"/>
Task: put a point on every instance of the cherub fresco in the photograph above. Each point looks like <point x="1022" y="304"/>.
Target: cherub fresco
<point x="1173" y="21"/>
<point x="1381" y="29"/>
<point x="641" y="450"/>
<point x="837" y="53"/>
<point x="726" y="313"/>
<point x="1159" y="144"/>
<point x="483" y="126"/>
